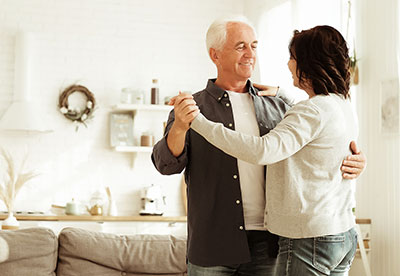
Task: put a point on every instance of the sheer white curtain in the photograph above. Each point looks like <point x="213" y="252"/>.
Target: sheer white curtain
<point x="276" y="27"/>
<point x="398" y="41"/>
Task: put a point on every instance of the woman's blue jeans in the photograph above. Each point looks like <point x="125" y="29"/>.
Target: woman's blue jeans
<point x="326" y="255"/>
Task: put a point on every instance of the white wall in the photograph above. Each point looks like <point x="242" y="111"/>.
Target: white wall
<point x="105" y="45"/>
<point x="378" y="189"/>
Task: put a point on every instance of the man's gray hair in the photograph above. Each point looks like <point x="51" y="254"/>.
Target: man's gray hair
<point x="216" y="34"/>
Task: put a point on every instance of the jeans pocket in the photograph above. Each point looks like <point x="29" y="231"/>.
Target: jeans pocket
<point x="328" y="252"/>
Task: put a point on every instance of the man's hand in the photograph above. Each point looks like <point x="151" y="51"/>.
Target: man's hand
<point x="354" y="164"/>
<point x="266" y="90"/>
<point x="185" y="110"/>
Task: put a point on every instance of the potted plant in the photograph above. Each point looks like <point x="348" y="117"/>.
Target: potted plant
<point x="10" y="185"/>
<point x="354" y="68"/>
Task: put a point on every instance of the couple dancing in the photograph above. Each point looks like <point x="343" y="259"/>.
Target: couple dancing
<point x="293" y="216"/>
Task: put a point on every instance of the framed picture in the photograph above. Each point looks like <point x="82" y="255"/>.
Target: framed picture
<point x="121" y="129"/>
<point x="390" y="107"/>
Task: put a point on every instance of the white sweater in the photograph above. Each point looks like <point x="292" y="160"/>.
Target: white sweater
<point x="306" y="195"/>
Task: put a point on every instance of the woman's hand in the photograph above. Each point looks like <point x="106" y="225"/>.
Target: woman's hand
<point x="266" y="90"/>
<point x="354" y="165"/>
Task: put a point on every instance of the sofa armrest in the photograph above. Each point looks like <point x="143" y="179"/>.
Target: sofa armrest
<point x="32" y="251"/>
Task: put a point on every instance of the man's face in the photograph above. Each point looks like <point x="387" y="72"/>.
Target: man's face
<point x="237" y="59"/>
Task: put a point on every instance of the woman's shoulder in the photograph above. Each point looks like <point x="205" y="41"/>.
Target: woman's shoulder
<point x="328" y="102"/>
<point x="320" y="105"/>
<point x="305" y="108"/>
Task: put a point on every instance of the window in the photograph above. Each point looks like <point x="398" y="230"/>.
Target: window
<point x="276" y="29"/>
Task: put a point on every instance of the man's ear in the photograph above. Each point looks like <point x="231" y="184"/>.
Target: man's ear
<point x="214" y="55"/>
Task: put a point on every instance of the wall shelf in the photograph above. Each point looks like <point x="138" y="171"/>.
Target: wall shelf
<point x="144" y="107"/>
<point x="130" y="121"/>
<point x="133" y="149"/>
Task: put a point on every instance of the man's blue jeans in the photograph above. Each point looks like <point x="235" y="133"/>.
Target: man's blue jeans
<point x="326" y="255"/>
<point x="262" y="263"/>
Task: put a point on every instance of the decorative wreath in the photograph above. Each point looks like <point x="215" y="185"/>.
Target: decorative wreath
<point x="75" y="114"/>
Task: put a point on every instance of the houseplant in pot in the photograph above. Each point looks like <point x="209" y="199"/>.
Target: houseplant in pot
<point x="354" y="68"/>
<point x="12" y="178"/>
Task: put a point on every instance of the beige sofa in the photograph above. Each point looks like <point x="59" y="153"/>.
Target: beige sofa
<point x="39" y="252"/>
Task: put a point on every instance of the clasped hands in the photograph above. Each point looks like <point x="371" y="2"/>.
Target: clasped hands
<point x="185" y="109"/>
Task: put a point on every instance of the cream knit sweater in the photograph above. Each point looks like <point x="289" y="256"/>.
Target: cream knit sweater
<point x="306" y="195"/>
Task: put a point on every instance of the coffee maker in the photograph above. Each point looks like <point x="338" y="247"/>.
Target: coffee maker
<point x="153" y="201"/>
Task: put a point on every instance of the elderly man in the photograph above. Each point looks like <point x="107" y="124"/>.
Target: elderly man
<point x="226" y="196"/>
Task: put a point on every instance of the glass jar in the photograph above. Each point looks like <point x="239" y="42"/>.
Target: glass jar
<point x="137" y="97"/>
<point x="126" y="95"/>
<point x="147" y="139"/>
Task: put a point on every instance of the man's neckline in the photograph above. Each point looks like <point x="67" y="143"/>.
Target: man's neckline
<point x="238" y="93"/>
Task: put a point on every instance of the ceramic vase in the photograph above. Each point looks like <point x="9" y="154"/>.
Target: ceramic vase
<point x="10" y="222"/>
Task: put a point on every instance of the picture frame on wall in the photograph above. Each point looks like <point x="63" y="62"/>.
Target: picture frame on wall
<point x="390" y="107"/>
<point x="121" y="129"/>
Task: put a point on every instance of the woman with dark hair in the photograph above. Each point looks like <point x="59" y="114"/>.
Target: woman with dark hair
<point x="308" y="202"/>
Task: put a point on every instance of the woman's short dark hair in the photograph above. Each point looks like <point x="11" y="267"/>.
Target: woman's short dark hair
<point x="322" y="58"/>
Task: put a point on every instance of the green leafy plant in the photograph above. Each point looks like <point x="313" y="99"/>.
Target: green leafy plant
<point x="354" y="69"/>
<point x="13" y="180"/>
<point x="353" y="60"/>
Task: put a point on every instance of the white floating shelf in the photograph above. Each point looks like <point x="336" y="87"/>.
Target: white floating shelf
<point x="133" y="149"/>
<point x="148" y="107"/>
<point x="153" y="112"/>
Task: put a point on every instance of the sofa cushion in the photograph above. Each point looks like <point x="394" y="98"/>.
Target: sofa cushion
<point x="32" y="251"/>
<point x="83" y="252"/>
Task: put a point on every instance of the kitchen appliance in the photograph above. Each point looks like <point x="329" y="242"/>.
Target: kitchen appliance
<point x="73" y="208"/>
<point x="25" y="112"/>
<point x="153" y="201"/>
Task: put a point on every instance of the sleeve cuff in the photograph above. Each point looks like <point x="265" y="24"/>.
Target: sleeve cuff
<point x="166" y="155"/>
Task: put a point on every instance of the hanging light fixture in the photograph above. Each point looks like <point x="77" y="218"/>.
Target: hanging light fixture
<point x="23" y="114"/>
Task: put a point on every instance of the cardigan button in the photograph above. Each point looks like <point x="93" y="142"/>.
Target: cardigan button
<point x="234" y="176"/>
<point x="241" y="227"/>
<point x="227" y="104"/>
<point x="237" y="201"/>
